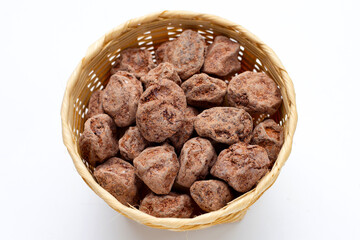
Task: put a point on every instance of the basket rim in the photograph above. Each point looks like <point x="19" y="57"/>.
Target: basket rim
<point x="241" y="203"/>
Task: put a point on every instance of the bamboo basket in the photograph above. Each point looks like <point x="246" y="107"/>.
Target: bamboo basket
<point x="148" y="32"/>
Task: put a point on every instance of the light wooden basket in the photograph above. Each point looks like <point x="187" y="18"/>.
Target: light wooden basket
<point x="148" y="32"/>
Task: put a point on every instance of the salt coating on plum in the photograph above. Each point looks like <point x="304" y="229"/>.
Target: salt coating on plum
<point x="132" y="143"/>
<point x="186" y="53"/>
<point x="197" y="156"/>
<point x="158" y="168"/>
<point x="254" y="92"/>
<point x="224" y="124"/>
<point x="210" y="195"/>
<point x="204" y="91"/>
<point x="171" y="205"/>
<point x="121" y="96"/>
<point x="98" y="140"/>
<point x="118" y="178"/>
<point x="184" y="133"/>
<point x="162" y="71"/>
<point x="241" y="166"/>
<point x="95" y="106"/>
<point x="269" y="135"/>
<point x="134" y="60"/>
<point x="222" y="57"/>
<point x="161" y="111"/>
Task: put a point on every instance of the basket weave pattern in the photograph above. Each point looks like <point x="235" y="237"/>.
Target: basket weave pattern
<point x="149" y="32"/>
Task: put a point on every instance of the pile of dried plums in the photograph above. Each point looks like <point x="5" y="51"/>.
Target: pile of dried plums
<point x="139" y="133"/>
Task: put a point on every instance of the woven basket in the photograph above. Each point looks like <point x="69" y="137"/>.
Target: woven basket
<point x="148" y="32"/>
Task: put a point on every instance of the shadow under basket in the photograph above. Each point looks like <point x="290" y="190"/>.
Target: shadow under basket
<point x="148" y="32"/>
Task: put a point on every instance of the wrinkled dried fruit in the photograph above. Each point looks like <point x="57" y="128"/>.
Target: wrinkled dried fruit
<point x="204" y="91"/>
<point x="134" y="60"/>
<point x="224" y="124"/>
<point x="132" y="143"/>
<point x="254" y="92"/>
<point x="269" y="135"/>
<point x="164" y="90"/>
<point x="163" y="71"/>
<point x="241" y="166"/>
<point x="182" y="135"/>
<point x="222" y="57"/>
<point x="98" y="141"/>
<point x="172" y="205"/>
<point x="121" y="96"/>
<point x="210" y="195"/>
<point x="197" y="156"/>
<point x="95" y="105"/>
<point x="186" y="53"/>
<point x="161" y="111"/>
<point x="159" y="121"/>
<point x="157" y="167"/>
<point x="118" y="178"/>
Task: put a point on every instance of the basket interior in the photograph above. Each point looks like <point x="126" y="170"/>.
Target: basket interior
<point x="149" y="36"/>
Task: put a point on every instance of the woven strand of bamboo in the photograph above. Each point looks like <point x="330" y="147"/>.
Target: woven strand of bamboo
<point x="148" y="32"/>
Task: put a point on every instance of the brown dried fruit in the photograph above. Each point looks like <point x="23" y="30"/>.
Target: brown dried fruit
<point x="224" y="124"/>
<point x="255" y="92"/>
<point x="270" y="136"/>
<point x="158" y="121"/>
<point x="162" y="51"/>
<point x="132" y="143"/>
<point x="164" y="90"/>
<point x="121" y="96"/>
<point x="181" y="136"/>
<point x="134" y="60"/>
<point x="157" y="167"/>
<point x="95" y="105"/>
<point x="186" y="53"/>
<point x="222" y="57"/>
<point x="118" y="178"/>
<point x="197" y="156"/>
<point x="162" y="71"/>
<point x="161" y="111"/>
<point x="241" y="166"/>
<point x="210" y="195"/>
<point x="172" y="205"/>
<point x="98" y="141"/>
<point x="204" y="91"/>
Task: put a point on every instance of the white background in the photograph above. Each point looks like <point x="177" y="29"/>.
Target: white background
<point x="317" y="194"/>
